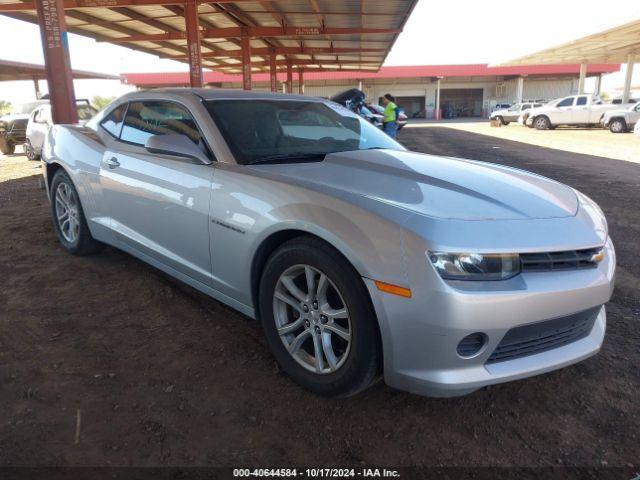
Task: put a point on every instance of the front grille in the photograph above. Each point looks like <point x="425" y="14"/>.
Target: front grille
<point x="569" y="260"/>
<point x="540" y="337"/>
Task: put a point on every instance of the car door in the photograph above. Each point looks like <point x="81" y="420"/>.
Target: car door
<point x="581" y="111"/>
<point x="158" y="204"/>
<point x="564" y="111"/>
<point x="634" y="116"/>
<point x="39" y="127"/>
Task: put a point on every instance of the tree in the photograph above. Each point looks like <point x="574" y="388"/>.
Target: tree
<point x="5" y="107"/>
<point x="101" y="102"/>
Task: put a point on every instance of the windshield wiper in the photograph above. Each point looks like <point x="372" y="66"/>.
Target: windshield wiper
<point x="289" y="157"/>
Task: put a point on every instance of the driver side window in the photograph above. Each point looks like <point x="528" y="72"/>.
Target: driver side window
<point x="156" y="117"/>
<point x="567" y="102"/>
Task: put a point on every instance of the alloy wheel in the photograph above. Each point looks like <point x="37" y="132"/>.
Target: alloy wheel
<point x="67" y="212"/>
<point x="312" y="319"/>
<point x="541" y="123"/>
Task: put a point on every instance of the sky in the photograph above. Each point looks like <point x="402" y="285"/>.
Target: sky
<point x="438" y="32"/>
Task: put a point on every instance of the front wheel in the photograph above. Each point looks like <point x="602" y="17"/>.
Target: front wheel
<point x="29" y="152"/>
<point x="68" y="217"/>
<point x="318" y="319"/>
<point x="618" y="126"/>
<point x="542" y="123"/>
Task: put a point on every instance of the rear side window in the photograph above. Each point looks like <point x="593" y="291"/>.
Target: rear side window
<point x="112" y="123"/>
<point x="581" y="101"/>
<point x="155" y="117"/>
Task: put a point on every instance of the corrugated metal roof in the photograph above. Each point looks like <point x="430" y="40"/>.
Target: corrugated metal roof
<point x="417" y="71"/>
<point x="116" y="20"/>
<point x="611" y="46"/>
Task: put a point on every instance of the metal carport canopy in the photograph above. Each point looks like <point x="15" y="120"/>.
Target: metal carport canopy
<point x="617" y="45"/>
<point x="16" y="71"/>
<point x="241" y="36"/>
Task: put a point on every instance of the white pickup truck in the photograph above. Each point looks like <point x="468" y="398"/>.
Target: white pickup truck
<point x="571" y="110"/>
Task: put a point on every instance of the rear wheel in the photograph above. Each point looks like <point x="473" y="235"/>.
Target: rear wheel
<point x="542" y="123"/>
<point x="68" y="217"/>
<point x="318" y="319"/>
<point x="500" y="120"/>
<point x="618" y="125"/>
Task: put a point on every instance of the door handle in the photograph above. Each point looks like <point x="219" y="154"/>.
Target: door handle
<point x="113" y="163"/>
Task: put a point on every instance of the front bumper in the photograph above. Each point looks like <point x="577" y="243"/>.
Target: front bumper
<point x="421" y="334"/>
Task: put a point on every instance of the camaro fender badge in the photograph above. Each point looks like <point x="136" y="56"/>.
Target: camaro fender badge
<point x="226" y="225"/>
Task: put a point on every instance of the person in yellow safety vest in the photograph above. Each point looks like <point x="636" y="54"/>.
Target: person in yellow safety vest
<point x="390" y="120"/>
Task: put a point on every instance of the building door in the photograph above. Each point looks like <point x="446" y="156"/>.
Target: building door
<point x="461" y="102"/>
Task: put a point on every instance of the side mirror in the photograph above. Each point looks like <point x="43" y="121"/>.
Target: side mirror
<point x="177" y="145"/>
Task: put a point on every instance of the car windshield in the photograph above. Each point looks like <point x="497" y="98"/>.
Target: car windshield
<point x="515" y="107"/>
<point x="259" y="131"/>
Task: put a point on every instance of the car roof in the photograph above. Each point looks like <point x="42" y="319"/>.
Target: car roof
<point x="223" y="93"/>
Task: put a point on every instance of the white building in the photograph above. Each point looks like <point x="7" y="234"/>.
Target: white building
<point x="452" y="90"/>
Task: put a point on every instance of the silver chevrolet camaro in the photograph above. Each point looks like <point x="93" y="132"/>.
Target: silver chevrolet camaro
<point x="360" y="259"/>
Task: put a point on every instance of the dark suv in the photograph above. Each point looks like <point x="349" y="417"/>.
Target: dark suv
<point x="14" y="125"/>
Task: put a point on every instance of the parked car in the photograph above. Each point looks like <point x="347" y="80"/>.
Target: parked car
<point x="14" y="125"/>
<point x="379" y="109"/>
<point x="353" y="99"/>
<point x="371" y="116"/>
<point x="584" y="110"/>
<point x="511" y="114"/>
<point x="40" y="121"/>
<point x="357" y="256"/>
<point x="623" y="120"/>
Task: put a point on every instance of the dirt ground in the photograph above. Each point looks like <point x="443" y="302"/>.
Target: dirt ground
<point x="161" y="375"/>
<point x="590" y="141"/>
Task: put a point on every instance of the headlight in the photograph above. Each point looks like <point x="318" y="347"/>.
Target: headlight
<point x="475" y="266"/>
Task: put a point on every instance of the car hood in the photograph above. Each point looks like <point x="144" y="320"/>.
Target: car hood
<point x="434" y="186"/>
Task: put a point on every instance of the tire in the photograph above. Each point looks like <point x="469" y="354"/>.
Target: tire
<point x="618" y="125"/>
<point x="7" y="147"/>
<point x="500" y="119"/>
<point x="542" y="123"/>
<point x="504" y="122"/>
<point x="30" y="152"/>
<point x="75" y="237"/>
<point x="351" y="365"/>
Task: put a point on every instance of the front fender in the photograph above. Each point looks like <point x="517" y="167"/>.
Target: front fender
<point x="246" y="211"/>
